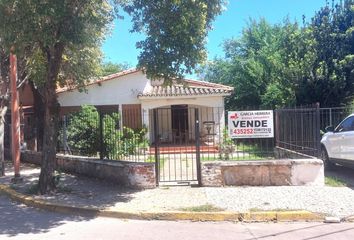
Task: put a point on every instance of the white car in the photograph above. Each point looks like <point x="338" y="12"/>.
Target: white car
<point x="338" y="144"/>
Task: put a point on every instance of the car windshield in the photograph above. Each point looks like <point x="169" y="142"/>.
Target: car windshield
<point x="346" y="125"/>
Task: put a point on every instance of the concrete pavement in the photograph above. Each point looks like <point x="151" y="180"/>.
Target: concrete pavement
<point x="96" y="198"/>
<point x="18" y="222"/>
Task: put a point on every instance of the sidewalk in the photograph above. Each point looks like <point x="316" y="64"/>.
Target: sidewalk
<point x="184" y="202"/>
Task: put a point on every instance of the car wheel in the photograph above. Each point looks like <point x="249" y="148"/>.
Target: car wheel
<point x="326" y="162"/>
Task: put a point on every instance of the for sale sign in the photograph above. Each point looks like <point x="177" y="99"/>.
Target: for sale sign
<point x="251" y="124"/>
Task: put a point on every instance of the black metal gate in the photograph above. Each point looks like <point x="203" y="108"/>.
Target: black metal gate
<point x="176" y="140"/>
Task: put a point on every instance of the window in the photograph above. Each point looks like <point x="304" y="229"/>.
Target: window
<point x="346" y="125"/>
<point x="131" y="116"/>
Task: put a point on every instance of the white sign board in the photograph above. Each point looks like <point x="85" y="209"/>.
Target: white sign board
<point x="251" y="124"/>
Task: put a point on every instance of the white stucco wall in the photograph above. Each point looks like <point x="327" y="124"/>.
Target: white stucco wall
<point x="123" y="90"/>
<point x="207" y="101"/>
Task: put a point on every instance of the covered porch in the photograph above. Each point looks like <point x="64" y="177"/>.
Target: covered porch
<point x="172" y="112"/>
<point x="175" y="125"/>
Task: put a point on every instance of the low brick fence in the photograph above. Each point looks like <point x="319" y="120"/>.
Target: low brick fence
<point x="287" y="172"/>
<point x="129" y="174"/>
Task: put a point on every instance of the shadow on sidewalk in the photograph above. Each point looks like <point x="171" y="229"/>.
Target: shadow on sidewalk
<point x="18" y="219"/>
<point x="72" y="190"/>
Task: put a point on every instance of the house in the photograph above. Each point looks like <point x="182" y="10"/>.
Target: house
<point x="27" y="133"/>
<point x="140" y="101"/>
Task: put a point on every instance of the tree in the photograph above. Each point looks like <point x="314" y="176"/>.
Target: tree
<point x="4" y="101"/>
<point x="255" y="65"/>
<point x="332" y="77"/>
<point x="284" y="64"/>
<point x="110" y="68"/>
<point x="176" y="34"/>
<point x="55" y="28"/>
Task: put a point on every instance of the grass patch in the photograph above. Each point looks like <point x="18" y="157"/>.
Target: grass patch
<point x="243" y="152"/>
<point x="203" y="208"/>
<point x="334" y="182"/>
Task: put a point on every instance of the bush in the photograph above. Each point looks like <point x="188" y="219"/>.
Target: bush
<point x="83" y="134"/>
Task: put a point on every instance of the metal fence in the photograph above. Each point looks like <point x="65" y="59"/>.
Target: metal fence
<point x="105" y="134"/>
<point x="297" y="129"/>
<point x="94" y="133"/>
<point x="90" y="132"/>
<point x="300" y="129"/>
<point x="333" y="116"/>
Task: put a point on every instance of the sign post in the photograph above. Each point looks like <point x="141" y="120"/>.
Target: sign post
<point x="251" y="124"/>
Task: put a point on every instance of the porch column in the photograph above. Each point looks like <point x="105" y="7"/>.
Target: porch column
<point x="145" y="114"/>
<point x="120" y="112"/>
<point x="219" y="114"/>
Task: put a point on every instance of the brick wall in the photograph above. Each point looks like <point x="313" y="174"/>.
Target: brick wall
<point x="129" y="174"/>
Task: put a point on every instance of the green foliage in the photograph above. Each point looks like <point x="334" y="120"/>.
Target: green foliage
<point x="176" y="31"/>
<point x="110" y="68"/>
<point x="39" y="29"/>
<point x="280" y="65"/>
<point x="83" y="134"/>
<point x="334" y="182"/>
<point x="65" y="38"/>
<point x="332" y="81"/>
<point x="203" y="208"/>
<point x="255" y="66"/>
<point x="226" y="146"/>
<point x="83" y="130"/>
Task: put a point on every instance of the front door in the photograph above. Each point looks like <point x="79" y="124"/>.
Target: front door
<point x="179" y="123"/>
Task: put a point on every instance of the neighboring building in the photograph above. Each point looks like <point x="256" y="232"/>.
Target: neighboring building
<point x="135" y="97"/>
<point x="26" y="101"/>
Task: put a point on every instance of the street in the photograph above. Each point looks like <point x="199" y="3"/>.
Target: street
<point x="20" y="222"/>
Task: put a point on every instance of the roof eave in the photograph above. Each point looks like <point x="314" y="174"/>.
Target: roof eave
<point x="184" y="96"/>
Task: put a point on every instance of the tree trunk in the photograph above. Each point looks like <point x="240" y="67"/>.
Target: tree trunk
<point x="48" y="165"/>
<point x="3" y="110"/>
<point x="39" y="115"/>
<point x="51" y="114"/>
<point x="4" y="101"/>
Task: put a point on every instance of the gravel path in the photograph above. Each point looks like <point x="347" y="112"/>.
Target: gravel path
<point x="334" y="201"/>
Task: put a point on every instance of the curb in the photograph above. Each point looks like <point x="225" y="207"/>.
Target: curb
<point x="349" y="219"/>
<point x="261" y="216"/>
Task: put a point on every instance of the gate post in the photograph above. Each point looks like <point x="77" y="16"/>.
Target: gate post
<point x="100" y="114"/>
<point x="156" y="140"/>
<point x="318" y="130"/>
<point x="197" y="147"/>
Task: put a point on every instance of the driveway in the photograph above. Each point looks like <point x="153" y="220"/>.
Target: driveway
<point x="342" y="173"/>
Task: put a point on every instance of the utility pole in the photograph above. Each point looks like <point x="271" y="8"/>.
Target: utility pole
<point x="15" y="117"/>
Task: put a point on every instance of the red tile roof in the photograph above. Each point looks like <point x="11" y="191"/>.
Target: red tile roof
<point x="103" y="79"/>
<point x="186" y="87"/>
<point x="180" y="90"/>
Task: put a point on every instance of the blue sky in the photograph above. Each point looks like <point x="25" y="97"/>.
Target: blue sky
<point x="119" y="47"/>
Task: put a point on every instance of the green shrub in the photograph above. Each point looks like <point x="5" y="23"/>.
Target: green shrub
<point x="83" y="134"/>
